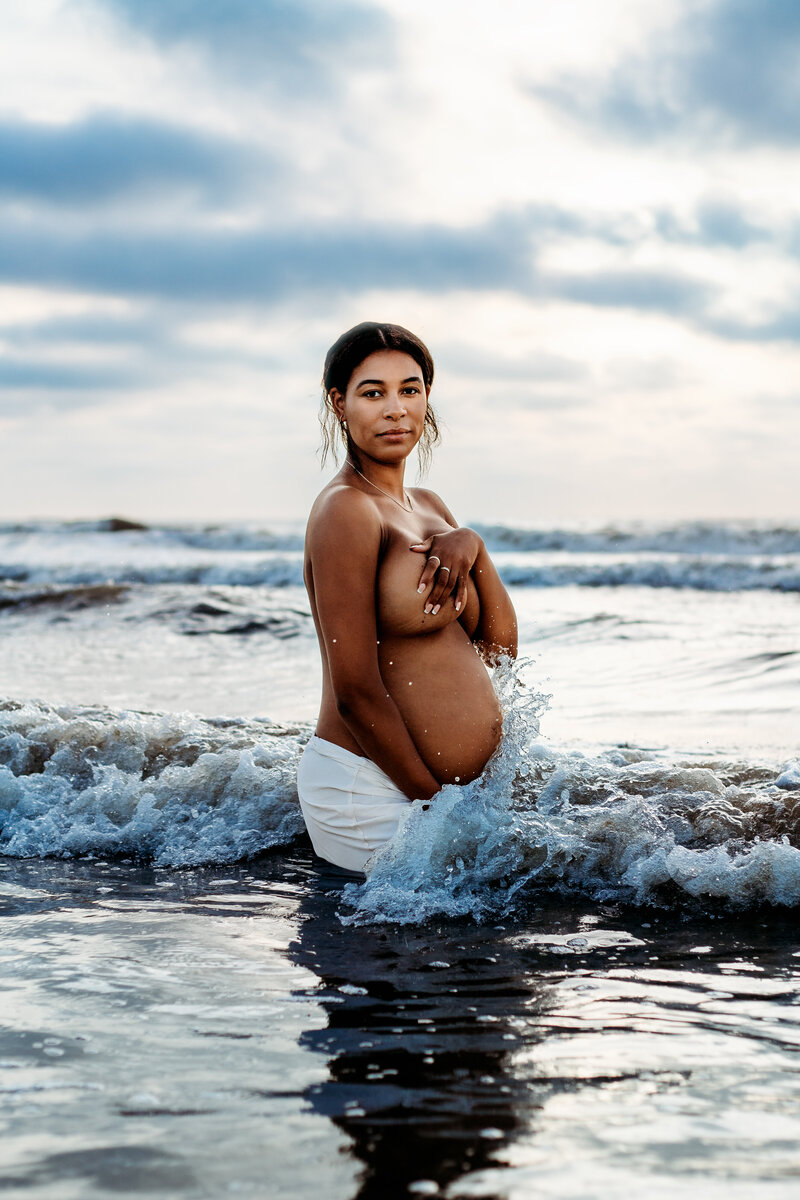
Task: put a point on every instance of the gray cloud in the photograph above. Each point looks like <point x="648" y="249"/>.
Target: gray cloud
<point x="727" y="72"/>
<point x="174" y="271"/>
<point x="16" y="375"/>
<point x="93" y="329"/>
<point x="655" y="291"/>
<point x="783" y="328"/>
<point x="109" y="156"/>
<point x="521" y="399"/>
<point x="226" y="267"/>
<point x="716" y="223"/>
<point x="298" y="46"/>
<point x="151" y="351"/>
<point x="213" y="266"/>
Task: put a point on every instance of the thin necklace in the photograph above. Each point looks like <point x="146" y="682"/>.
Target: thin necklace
<point x="380" y="489"/>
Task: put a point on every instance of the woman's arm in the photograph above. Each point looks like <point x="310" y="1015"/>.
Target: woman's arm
<point x="496" y="633"/>
<point x="464" y="552"/>
<point x="344" y="544"/>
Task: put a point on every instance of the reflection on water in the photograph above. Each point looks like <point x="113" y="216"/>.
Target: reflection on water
<point x="422" y="1028"/>
<point x="580" y="1053"/>
<point x="204" y="1032"/>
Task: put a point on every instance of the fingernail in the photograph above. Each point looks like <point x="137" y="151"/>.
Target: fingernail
<point x="436" y="609"/>
<point x="427" y="608"/>
<point x="458" y="605"/>
<point x="421" y="588"/>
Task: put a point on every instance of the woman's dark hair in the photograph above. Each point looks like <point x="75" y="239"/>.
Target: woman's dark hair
<point x="342" y="359"/>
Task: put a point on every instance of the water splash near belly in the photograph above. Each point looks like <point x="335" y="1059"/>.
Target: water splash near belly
<point x="625" y="824"/>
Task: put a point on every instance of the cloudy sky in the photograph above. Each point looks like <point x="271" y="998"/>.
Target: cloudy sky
<point x="589" y="210"/>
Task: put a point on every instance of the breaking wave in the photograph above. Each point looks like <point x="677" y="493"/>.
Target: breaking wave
<point x="282" y="570"/>
<point x="625" y="824"/>
<point x="175" y="789"/>
<point x="712" y="556"/>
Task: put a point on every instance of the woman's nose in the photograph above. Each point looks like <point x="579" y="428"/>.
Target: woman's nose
<point x="395" y="406"/>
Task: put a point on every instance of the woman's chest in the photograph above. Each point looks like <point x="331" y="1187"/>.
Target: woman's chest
<point x="400" y="606"/>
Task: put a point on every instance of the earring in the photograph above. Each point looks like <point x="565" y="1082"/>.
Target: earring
<point x="343" y="424"/>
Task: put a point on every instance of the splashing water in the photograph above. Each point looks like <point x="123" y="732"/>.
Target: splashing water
<point x="470" y="850"/>
<point x="633" y="825"/>
<point x="623" y="825"/>
<point x="175" y="789"/>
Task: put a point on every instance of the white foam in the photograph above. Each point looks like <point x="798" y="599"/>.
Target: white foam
<point x="622" y="826"/>
<point x="790" y="775"/>
<point x="173" y="788"/>
<point x="626" y="824"/>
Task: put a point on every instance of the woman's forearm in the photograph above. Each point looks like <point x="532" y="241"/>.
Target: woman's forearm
<point x="375" y="722"/>
<point x="496" y="632"/>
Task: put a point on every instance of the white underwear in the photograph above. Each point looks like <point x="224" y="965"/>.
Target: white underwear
<point x="349" y="805"/>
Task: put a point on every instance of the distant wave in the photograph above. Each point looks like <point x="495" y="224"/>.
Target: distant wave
<point x="278" y="570"/>
<point x="116" y="533"/>
<point x="726" y="538"/>
<point x="711" y="574"/>
<point x="534" y="570"/>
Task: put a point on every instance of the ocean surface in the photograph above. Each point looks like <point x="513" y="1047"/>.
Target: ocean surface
<point x="575" y="977"/>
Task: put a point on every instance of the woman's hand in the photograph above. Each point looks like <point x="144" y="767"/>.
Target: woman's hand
<point x="450" y="559"/>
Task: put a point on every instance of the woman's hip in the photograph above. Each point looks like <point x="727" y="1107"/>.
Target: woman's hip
<point x="350" y="806"/>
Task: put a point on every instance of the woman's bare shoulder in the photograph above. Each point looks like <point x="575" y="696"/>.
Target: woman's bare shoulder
<point x="434" y="501"/>
<point x="342" y="511"/>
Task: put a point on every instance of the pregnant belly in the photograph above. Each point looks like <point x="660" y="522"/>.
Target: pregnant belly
<point x="446" y="699"/>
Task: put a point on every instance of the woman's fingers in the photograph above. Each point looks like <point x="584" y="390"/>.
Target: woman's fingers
<point x="447" y="566"/>
<point x="431" y="565"/>
<point x="429" y="573"/>
<point x="446" y="583"/>
<point x="461" y="593"/>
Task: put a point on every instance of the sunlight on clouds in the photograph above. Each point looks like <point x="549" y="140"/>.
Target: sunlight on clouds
<point x="614" y="318"/>
<point x="20" y="305"/>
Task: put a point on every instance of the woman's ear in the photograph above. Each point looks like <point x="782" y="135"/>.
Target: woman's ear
<point x="337" y="402"/>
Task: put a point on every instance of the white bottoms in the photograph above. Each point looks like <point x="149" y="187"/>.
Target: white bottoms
<point x="349" y="805"/>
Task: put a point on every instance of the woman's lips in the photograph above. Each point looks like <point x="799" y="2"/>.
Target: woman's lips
<point x="394" y="433"/>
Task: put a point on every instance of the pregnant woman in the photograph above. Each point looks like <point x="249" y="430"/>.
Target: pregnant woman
<point x="408" y="607"/>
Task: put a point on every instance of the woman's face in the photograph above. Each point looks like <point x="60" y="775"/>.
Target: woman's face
<point x="384" y="405"/>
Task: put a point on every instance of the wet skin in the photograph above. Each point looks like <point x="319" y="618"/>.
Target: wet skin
<point x="401" y="686"/>
<point x="428" y="662"/>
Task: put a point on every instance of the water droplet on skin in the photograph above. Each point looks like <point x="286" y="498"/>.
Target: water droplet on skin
<point x="458" y="779"/>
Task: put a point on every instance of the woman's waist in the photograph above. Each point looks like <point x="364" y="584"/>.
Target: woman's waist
<point x="445" y="659"/>
<point x="446" y="698"/>
<point x="449" y="643"/>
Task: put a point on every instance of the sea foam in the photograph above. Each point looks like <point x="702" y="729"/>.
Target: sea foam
<point x="171" y="788"/>
<point x="623" y="824"/>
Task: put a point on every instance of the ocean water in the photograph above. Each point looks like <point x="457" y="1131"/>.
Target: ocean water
<point x="575" y="976"/>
